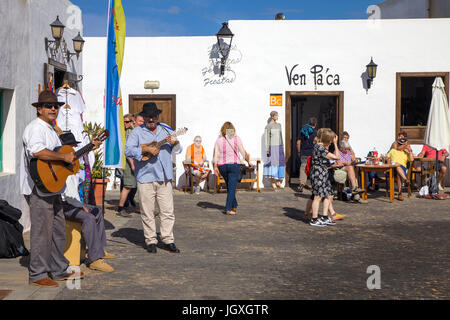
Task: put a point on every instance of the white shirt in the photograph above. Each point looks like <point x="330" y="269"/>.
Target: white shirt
<point x="37" y="136"/>
<point x="71" y="119"/>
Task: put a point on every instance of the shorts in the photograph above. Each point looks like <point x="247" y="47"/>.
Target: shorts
<point x="404" y="169"/>
<point x="202" y="170"/>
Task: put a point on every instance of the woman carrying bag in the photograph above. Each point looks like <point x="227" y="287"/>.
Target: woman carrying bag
<point x="227" y="162"/>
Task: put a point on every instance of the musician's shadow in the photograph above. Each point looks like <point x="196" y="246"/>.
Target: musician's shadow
<point x="133" y="235"/>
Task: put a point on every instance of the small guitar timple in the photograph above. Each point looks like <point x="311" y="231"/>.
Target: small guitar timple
<point x="51" y="176"/>
<point x="147" y="156"/>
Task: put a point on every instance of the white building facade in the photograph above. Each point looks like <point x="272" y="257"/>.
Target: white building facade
<point x="318" y="68"/>
<point x="24" y="65"/>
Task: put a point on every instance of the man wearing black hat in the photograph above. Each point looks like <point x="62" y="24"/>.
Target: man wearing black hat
<point x="47" y="234"/>
<point x="154" y="176"/>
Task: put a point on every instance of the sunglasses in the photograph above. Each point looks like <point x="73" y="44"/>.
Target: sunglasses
<point x="49" y="106"/>
<point x="128" y="121"/>
<point x="197" y="140"/>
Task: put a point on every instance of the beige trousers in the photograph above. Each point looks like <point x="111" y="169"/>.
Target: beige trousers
<point x="162" y="192"/>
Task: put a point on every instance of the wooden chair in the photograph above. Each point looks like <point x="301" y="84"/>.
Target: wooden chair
<point x="427" y="167"/>
<point x="190" y="177"/>
<point x="255" y="169"/>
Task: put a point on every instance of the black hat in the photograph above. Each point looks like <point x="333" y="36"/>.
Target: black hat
<point x="149" y="109"/>
<point x="67" y="138"/>
<point x="47" y="97"/>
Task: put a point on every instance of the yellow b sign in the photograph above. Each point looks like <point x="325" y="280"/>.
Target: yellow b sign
<point x="276" y="100"/>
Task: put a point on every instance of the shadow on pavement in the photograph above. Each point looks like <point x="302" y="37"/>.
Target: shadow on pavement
<point x="132" y="235"/>
<point x="210" y="205"/>
<point x="295" y="214"/>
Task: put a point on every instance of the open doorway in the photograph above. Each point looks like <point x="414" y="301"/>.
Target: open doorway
<point x="327" y="107"/>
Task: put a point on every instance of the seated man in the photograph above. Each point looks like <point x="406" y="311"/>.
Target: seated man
<point x="429" y="152"/>
<point x="90" y="217"/>
<point x="400" y="155"/>
<point x="347" y="158"/>
<point x="196" y="158"/>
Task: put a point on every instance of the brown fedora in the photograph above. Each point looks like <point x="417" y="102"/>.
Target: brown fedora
<point x="47" y="97"/>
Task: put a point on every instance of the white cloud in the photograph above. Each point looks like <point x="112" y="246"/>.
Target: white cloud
<point x="174" y="10"/>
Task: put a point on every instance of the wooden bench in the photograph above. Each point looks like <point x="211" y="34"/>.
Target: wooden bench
<point x="220" y="180"/>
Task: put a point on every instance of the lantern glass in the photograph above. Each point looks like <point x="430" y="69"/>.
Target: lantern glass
<point x="57" y="29"/>
<point x="78" y="43"/>
<point x="372" y="69"/>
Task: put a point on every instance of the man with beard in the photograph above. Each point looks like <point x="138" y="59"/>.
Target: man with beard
<point x="154" y="176"/>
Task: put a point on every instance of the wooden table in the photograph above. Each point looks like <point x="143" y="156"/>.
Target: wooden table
<point x="220" y="179"/>
<point x="385" y="168"/>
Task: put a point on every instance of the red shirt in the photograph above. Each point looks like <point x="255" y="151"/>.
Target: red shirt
<point x="429" y="152"/>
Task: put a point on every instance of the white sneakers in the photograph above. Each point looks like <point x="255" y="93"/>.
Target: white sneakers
<point x="440" y="187"/>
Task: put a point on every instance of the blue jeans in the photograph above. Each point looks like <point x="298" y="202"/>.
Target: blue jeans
<point x="230" y="173"/>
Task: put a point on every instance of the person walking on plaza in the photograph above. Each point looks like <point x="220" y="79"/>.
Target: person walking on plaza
<point x="275" y="165"/>
<point x="321" y="186"/>
<point x="48" y="230"/>
<point x="154" y="176"/>
<point x="90" y="217"/>
<point x="227" y="162"/>
<point x="196" y="158"/>
<point x="128" y="181"/>
<point x="305" y="148"/>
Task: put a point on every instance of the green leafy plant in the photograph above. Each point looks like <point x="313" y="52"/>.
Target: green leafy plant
<point x="93" y="130"/>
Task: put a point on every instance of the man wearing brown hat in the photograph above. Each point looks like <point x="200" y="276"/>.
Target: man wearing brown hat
<point x="154" y="177"/>
<point x="47" y="234"/>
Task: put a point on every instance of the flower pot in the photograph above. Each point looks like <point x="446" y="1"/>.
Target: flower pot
<point x="99" y="189"/>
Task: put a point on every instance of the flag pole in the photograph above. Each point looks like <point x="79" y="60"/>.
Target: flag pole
<point x="103" y="191"/>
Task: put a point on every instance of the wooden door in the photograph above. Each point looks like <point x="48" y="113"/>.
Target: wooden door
<point x="164" y="102"/>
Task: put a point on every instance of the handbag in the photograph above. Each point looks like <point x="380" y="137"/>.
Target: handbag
<point x="243" y="168"/>
<point x="340" y="175"/>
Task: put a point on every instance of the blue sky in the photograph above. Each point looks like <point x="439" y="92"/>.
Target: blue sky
<point x="204" y="17"/>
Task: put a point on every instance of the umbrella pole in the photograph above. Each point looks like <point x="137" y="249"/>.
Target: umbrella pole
<point x="103" y="191"/>
<point x="437" y="169"/>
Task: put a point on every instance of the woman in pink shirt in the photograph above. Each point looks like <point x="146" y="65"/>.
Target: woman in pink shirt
<point x="429" y="152"/>
<point x="227" y="161"/>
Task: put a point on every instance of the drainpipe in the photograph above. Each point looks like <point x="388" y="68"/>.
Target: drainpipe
<point x="429" y="2"/>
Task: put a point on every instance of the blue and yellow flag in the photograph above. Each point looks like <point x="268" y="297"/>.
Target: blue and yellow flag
<point x="115" y="144"/>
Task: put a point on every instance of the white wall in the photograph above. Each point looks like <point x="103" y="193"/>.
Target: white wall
<point x="262" y="51"/>
<point x="23" y="26"/>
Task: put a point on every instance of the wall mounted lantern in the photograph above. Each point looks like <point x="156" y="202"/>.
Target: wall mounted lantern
<point x="57" y="34"/>
<point x="224" y="47"/>
<point x="371" y="72"/>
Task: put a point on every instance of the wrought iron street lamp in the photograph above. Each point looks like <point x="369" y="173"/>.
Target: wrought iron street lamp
<point x="371" y="72"/>
<point x="78" y="44"/>
<point x="224" y="48"/>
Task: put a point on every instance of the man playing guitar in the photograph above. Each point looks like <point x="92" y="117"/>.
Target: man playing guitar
<point x="47" y="234"/>
<point x="154" y="176"/>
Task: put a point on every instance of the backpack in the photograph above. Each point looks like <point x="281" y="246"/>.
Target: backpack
<point x="308" y="166"/>
<point x="11" y="239"/>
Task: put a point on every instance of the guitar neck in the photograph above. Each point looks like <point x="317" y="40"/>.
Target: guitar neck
<point x="86" y="149"/>
<point x="160" y="143"/>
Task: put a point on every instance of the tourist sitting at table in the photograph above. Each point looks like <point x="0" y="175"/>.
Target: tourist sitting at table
<point x="428" y="152"/>
<point x="401" y="135"/>
<point x="401" y="154"/>
<point x="347" y="158"/>
<point x="196" y="158"/>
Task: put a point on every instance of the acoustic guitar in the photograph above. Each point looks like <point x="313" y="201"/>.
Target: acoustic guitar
<point x="50" y="175"/>
<point x="148" y="156"/>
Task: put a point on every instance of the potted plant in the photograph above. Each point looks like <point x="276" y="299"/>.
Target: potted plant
<point x="98" y="183"/>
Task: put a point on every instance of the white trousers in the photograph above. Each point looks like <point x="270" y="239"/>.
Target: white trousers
<point x="162" y="194"/>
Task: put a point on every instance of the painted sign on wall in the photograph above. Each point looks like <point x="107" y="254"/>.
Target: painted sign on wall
<point x="211" y="73"/>
<point x="276" y="100"/>
<point x="318" y="74"/>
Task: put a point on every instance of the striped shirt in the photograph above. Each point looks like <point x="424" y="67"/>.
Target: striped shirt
<point x="228" y="150"/>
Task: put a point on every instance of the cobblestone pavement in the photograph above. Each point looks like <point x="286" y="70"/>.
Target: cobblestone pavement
<point x="267" y="251"/>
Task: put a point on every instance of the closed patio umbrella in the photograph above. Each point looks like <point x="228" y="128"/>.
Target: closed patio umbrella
<point x="438" y="125"/>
